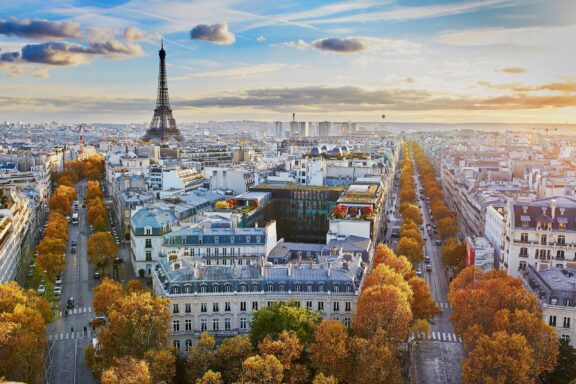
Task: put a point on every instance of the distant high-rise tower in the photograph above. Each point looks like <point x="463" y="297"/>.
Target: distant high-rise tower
<point x="163" y="126"/>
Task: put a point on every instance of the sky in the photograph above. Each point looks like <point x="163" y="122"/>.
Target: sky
<point x="500" y="61"/>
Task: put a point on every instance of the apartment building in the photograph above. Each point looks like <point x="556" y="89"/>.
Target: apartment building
<point x="14" y="225"/>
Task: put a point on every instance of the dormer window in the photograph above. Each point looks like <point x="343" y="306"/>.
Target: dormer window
<point x="147" y="230"/>
<point x="216" y="239"/>
<point x="232" y="239"/>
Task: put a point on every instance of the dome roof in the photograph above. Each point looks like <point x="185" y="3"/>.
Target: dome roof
<point x="315" y="151"/>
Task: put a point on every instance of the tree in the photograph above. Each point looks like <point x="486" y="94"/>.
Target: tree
<point x="93" y="191"/>
<point x="411" y="249"/>
<point x="329" y="352"/>
<point x="501" y="358"/>
<point x="96" y="210"/>
<point x="541" y="337"/>
<point x="106" y="294"/>
<point x="447" y="227"/>
<point x="385" y="307"/>
<point x="51" y="245"/>
<point x="413" y="234"/>
<point x="127" y="370"/>
<point x="440" y="210"/>
<point x="162" y="363"/>
<point x="57" y="227"/>
<point x="284" y="316"/>
<point x="321" y="379"/>
<point x="412" y="212"/>
<point x="200" y="357"/>
<point x="384" y="275"/>
<point x="23" y="317"/>
<point x="60" y="203"/>
<point x="137" y="323"/>
<point x="423" y="304"/>
<point x="210" y="377"/>
<point x="101" y="249"/>
<point x="51" y="264"/>
<point x="100" y="224"/>
<point x="385" y="255"/>
<point x="231" y="353"/>
<point x="376" y="360"/>
<point x="287" y="349"/>
<point x="565" y="371"/>
<point x="453" y="253"/>
<point x="262" y="370"/>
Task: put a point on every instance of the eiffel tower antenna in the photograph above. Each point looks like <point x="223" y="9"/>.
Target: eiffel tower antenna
<point x="163" y="126"/>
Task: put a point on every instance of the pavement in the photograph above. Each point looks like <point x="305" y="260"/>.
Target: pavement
<point x="65" y="336"/>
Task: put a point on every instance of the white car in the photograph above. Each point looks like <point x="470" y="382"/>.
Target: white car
<point x="41" y="289"/>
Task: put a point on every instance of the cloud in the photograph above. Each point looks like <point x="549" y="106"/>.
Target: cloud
<point x="512" y="70"/>
<point x="260" y="39"/>
<point x="340" y="45"/>
<point x="239" y="72"/>
<point x="350" y="98"/>
<point x="9" y="57"/>
<point x="299" y="44"/>
<point x="217" y="34"/>
<point x="564" y="87"/>
<point x="40" y="29"/>
<point x="134" y="34"/>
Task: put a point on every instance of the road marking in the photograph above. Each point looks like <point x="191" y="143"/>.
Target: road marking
<point x="449" y="338"/>
<point x="434" y="335"/>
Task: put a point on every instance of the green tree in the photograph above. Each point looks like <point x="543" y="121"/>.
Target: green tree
<point x="284" y="316"/>
<point x="565" y="371"/>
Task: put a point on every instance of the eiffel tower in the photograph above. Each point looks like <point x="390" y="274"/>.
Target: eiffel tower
<point x="163" y="126"/>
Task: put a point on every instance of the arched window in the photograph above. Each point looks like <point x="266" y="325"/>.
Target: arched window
<point x="176" y="289"/>
<point x="227" y="288"/>
<point x="242" y="287"/>
<point x="188" y="344"/>
<point x="336" y="288"/>
<point x="215" y="288"/>
<point x="187" y="289"/>
<point x="203" y="289"/>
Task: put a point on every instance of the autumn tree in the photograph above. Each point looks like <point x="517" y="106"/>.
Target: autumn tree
<point x="106" y="294"/>
<point x="57" y="227"/>
<point x="453" y="253"/>
<point x="369" y="369"/>
<point x="284" y="316"/>
<point x="137" y="323"/>
<point x="210" y="377"/>
<point x="102" y="249"/>
<point x="447" y="227"/>
<point x="287" y="349"/>
<point x="411" y="249"/>
<point x="51" y="245"/>
<point x="385" y="275"/>
<point x="385" y="307"/>
<point x="51" y="264"/>
<point x="23" y="317"/>
<point x="385" y="255"/>
<point x="162" y="363"/>
<point x="60" y="203"/>
<point x="261" y="370"/>
<point x="200" y="357"/>
<point x="96" y="210"/>
<point x="322" y="379"/>
<point x="329" y="352"/>
<point x="502" y="358"/>
<point x="423" y="304"/>
<point x="231" y="353"/>
<point x="93" y="190"/>
<point x="127" y="370"/>
<point x="412" y="212"/>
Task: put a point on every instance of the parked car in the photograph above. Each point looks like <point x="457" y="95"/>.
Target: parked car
<point x="73" y="243"/>
<point x="427" y="259"/>
<point x="41" y="289"/>
<point x="73" y="250"/>
<point x="57" y="291"/>
<point x="58" y="280"/>
<point x="96" y="274"/>
<point x="70" y="303"/>
<point x="418" y="272"/>
<point x="428" y="267"/>
<point x="438" y="242"/>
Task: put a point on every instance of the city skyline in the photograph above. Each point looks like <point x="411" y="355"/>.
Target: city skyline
<point x="502" y="61"/>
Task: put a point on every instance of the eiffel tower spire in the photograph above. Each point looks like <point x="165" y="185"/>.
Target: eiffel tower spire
<point x="163" y="126"/>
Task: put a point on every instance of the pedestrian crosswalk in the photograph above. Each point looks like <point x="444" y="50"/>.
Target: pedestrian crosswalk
<point x="69" y="335"/>
<point x="439" y="336"/>
<point x="75" y="311"/>
<point x="444" y="305"/>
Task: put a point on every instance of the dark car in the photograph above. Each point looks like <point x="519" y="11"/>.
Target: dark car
<point x="70" y="303"/>
<point x="73" y="243"/>
<point x="73" y="250"/>
<point x="96" y="274"/>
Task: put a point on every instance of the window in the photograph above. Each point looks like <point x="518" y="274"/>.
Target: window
<point x="188" y="325"/>
<point x="187" y="308"/>
<point x="227" y="306"/>
<point x="227" y="324"/>
<point x="176" y="344"/>
<point x="336" y="306"/>
<point x="216" y="324"/>
<point x="203" y="325"/>
<point x="321" y="288"/>
<point x="562" y="240"/>
<point x="242" y="323"/>
<point x="522" y="266"/>
<point x="215" y="307"/>
<point x="523" y="252"/>
<point x="309" y="305"/>
<point x="297" y="288"/>
<point x="565" y="337"/>
<point x="203" y="289"/>
<point x="552" y="320"/>
<point x="148" y="255"/>
<point x="560" y="254"/>
<point x="320" y="305"/>
<point x="348" y="306"/>
<point x="524" y="237"/>
<point x="242" y="305"/>
<point x="147" y="231"/>
<point x="254" y="305"/>
<point x="175" y="308"/>
<point x="175" y="325"/>
<point x="336" y="288"/>
<point x="203" y="307"/>
<point x="347" y="322"/>
<point x="148" y="243"/>
<point x="270" y="288"/>
<point x="309" y="288"/>
<point x="188" y="344"/>
<point x="566" y="322"/>
<point x="242" y="286"/>
<point x="543" y="239"/>
<point x="269" y="304"/>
